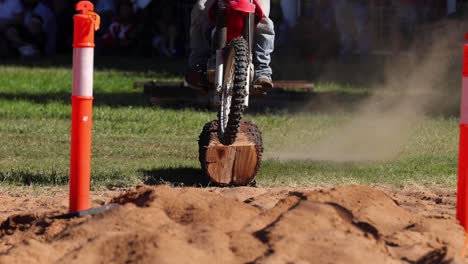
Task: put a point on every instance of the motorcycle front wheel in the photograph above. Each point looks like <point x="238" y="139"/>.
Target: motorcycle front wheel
<point x="234" y="90"/>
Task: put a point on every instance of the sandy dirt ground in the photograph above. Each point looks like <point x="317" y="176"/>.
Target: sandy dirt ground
<point x="346" y="224"/>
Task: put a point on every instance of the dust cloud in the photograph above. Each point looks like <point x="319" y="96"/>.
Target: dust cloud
<point x="413" y="86"/>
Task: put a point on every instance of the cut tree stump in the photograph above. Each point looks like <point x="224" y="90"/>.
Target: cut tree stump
<point x="236" y="164"/>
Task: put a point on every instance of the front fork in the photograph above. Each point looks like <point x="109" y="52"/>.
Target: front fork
<point x="248" y="34"/>
<point x="219" y="44"/>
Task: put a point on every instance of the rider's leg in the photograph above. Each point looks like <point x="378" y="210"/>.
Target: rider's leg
<point x="200" y="36"/>
<point x="264" y="43"/>
<point x="200" y="33"/>
<point x="200" y="40"/>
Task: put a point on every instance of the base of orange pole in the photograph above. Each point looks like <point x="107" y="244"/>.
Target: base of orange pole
<point x="80" y="154"/>
<point x="462" y="193"/>
<point x="92" y="211"/>
<point x="465" y="246"/>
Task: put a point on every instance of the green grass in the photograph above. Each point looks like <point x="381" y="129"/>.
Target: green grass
<point x="428" y="157"/>
<point x="134" y="143"/>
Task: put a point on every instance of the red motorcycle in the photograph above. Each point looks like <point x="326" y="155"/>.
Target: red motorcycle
<point x="230" y="69"/>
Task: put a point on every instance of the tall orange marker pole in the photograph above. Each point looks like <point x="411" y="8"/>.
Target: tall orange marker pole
<point x="85" y="24"/>
<point x="462" y="193"/>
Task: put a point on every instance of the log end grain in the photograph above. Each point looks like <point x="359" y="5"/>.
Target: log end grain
<point x="236" y="164"/>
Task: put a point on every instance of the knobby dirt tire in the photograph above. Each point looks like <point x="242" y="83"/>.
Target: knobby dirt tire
<point x="239" y="92"/>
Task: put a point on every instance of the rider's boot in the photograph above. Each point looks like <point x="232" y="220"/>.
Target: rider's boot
<point x="196" y="77"/>
<point x="262" y="85"/>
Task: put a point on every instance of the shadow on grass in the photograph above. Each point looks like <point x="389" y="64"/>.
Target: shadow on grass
<point x="29" y="178"/>
<point x="172" y="66"/>
<point x="314" y="102"/>
<point x="100" y="99"/>
<point x="180" y="177"/>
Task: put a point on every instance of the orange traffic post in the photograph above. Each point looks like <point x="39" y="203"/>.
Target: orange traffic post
<point x="462" y="190"/>
<point x="85" y="24"/>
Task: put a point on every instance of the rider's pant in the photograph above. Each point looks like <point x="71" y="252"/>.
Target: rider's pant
<point x="200" y="32"/>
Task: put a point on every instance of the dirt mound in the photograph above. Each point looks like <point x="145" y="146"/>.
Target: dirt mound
<point x="351" y="224"/>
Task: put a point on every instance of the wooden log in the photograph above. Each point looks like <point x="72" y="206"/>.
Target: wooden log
<point x="286" y="94"/>
<point x="173" y="88"/>
<point x="236" y="164"/>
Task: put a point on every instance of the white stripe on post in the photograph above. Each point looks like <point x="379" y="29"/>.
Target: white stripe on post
<point x="83" y="67"/>
<point x="464" y="102"/>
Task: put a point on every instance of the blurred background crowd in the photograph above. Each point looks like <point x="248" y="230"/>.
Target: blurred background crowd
<point x="317" y="29"/>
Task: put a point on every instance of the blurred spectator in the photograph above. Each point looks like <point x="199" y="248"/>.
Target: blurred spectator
<point x="407" y="20"/>
<point x="10" y="14"/>
<point x="120" y="37"/>
<point x="36" y="34"/>
<point x="107" y="11"/>
<point x="161" y="26"/>
<point x="315" y="35"/>
<point x="49" y="4"/>
<point x="104" y="7"/>
<point x="28" y="39"/>
<point x="324" y="29"/>
<point x="281" y="25"/>
<point x="165" y="31"/>
<point x="451" y="7"/>
<point x="352" y="21"/>
<point x="290" y="10"/>
<point x="140" y="4"/>
<point x="63" y="10"/>
<point x="49" y="24"/>
<point x="410" y="14"/>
